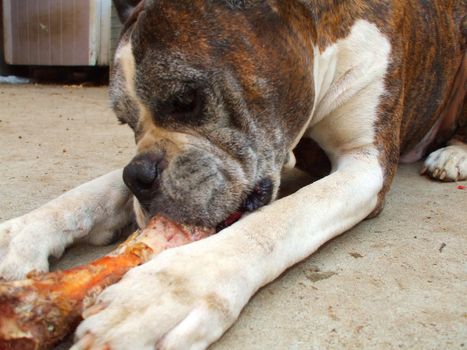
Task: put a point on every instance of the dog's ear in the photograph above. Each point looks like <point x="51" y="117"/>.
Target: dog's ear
<point x="125" y="8"/>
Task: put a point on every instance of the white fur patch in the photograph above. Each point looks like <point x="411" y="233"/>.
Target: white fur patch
<point x="348" y="82"/>
<point x="124" y="56"/>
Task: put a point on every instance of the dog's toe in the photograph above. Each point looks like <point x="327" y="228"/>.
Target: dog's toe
<point x="199" y="329"/>
<point x="448" y="163"/>
<point x="21" y="249"/>
<point x="16" y="264"/>
<point x="134" y="316"/>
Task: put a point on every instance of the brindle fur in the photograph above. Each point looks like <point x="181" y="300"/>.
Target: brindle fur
<point x="252" y="62"/>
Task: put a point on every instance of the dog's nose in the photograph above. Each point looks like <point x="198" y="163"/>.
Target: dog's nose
<point x="142" y="176"/>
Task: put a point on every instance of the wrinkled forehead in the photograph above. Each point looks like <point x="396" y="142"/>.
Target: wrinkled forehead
<point x="159" y="39"/>
<point x="192" y="39"/>
<point x="198" y="29"/>
<point x="206" y="30"/>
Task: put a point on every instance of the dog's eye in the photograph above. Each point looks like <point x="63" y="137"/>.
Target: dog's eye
<point x="185" y="103"/>
<point x="186" y="107"/>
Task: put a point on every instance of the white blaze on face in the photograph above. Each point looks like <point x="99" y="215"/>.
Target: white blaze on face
<point x="125" y="59"/>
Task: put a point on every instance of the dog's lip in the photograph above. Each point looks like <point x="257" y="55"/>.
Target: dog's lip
<point x="258" y="197"/>
<point x="231" y="219"/>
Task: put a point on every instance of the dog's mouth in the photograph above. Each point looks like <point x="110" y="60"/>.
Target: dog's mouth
<point x="260" y="196"/>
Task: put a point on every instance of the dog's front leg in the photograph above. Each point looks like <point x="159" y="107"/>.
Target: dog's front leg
<point x="187" y="297"/>
<point x="93" y="210"/>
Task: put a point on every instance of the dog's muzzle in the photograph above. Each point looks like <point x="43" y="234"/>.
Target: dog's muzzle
<point x="143" y="175"/>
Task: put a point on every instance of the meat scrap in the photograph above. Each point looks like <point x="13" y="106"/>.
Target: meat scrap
<point x="43" y="309"/>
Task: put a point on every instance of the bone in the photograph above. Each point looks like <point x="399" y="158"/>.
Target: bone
<point x="40" y="311"/>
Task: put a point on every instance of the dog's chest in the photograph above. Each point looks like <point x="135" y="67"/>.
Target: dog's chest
<point x="348" y="78"/>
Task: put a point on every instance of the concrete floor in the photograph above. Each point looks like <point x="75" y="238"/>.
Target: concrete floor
<point x="397" y="281"/>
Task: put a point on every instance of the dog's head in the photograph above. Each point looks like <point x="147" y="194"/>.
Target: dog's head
<point x="216" y="95"/>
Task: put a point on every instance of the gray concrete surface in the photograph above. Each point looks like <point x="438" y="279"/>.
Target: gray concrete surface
<point x="395" y="282"/>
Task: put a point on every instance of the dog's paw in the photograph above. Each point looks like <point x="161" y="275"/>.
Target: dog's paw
<point x="448" y="163"/>
<point x="22" y="248"/>
<point x="185" y="298"/>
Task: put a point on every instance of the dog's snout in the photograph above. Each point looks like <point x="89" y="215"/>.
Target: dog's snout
<point x="142" y="176"/>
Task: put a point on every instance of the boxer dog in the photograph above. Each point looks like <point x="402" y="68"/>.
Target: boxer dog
<point x="219" y="94"/>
